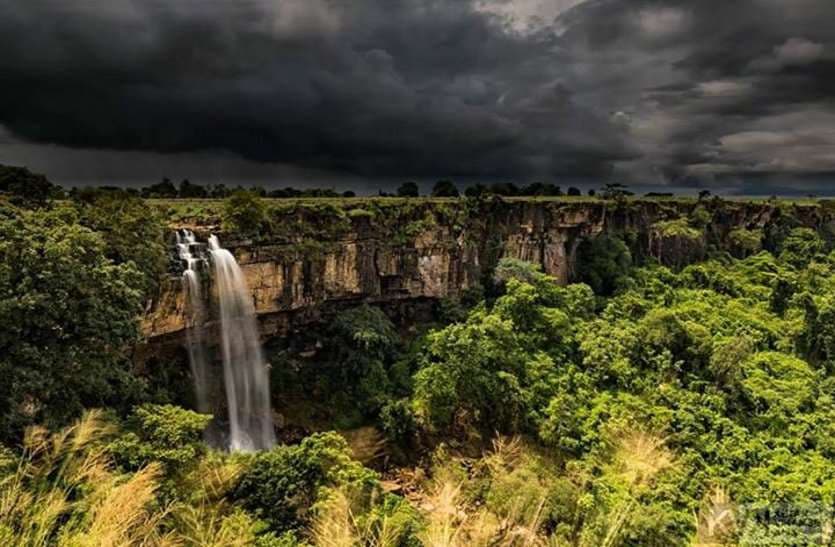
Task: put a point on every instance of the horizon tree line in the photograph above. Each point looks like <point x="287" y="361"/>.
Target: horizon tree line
<point x="22" y="184"/>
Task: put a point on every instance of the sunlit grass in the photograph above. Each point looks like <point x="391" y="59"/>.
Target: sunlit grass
<point x="64" y="491"/>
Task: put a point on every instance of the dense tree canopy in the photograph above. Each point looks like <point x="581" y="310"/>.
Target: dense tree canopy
<point x="69" y="317"/>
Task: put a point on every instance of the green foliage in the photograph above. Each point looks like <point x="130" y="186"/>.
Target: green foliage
<point x="520" y="270"/>
<point x="677" y="228"/>
<point x="445" y="189"/>
<point x="745" y="242"/>
<point x="472" y="375"/>
<point x="363" y="343"/>
<point x="489" y="371"/>
<point x="244" y="213"/>
<point x="408" y="190"/>
<point x="800" y="247"/>
<point x="68" y="317"/>
<point x="25" y="188"/>
<point x="642" y="409"/>
<point x="604" y="263"/>
<point x="132" y="231"/>
<point x="729" y="361"/>
<point x="281" y="485"/>
<point x="161" y="433"/>
<point x="398" y="421"/>
<point x="700" y="217"/>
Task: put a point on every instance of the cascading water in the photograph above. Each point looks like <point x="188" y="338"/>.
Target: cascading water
<point x="196" y="311"/>
<point x="244" y="369"/>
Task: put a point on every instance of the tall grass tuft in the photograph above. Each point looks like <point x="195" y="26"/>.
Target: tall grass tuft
<point x="208" y="519"/>
<point x="338" y="524"/>
<point x="64" y="491"/>
<point x="638" y="458"/>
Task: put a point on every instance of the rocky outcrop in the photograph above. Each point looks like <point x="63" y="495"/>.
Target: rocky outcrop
<point x="311" y="259"/>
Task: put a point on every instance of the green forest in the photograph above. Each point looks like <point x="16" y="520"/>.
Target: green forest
<point x="687" y="400"/>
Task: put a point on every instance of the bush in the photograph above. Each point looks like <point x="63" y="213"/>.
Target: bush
<point x="244" y="213"/>
<point x="363" y="342"/>
<point x="408" y="190"/>
<point x="398" y="421"/>
<point x="745" y="242"/>
<point x="445" y="188"/>
<point x="800" y="247"/>
<point x="161" y="433"/>
<point x="280" y="486"/>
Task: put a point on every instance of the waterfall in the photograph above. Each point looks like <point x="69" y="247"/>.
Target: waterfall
<point x="244" y="369"/>
<point x="196" y="312"/>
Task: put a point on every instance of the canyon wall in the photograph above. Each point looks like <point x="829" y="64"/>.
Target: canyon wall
<point x="309" y="260"/>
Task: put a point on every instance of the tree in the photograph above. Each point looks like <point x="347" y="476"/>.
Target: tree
<point x="615" y="190"/>
<point x="132" y="230"/>
<point x="541" y="189"/>
<point x="801" y="246"/>
<point x="161" y="433"/>
<point x="504" y="189"/>
<point x="24" y="187"/>
<point x="244" y="213"/>
<point x="475" y="190"/>
<point x="408" y="190"/>
<point x="219" y="191"/>
<point x="704" y="194"/>
<point x="604" y="263"/>
<point x="745" y="242"/>
<point x="190" y="190"/>
<point x="163" y="189"/>
<point x="362" y="342"/>
<point x="472" y="376"/>
<point x="445" y="189"/>
<point x="68" y="318"/>
<point x="573" y="191"/>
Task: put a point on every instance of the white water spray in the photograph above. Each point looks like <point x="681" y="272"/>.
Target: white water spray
<point x="196" y="312"/>
<point x="244" y="369"/>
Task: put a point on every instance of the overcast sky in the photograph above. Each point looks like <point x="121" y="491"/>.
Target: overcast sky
<point x="736" y="96"/>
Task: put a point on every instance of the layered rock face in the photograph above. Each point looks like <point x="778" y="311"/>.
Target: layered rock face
<point x="311" y="259"/>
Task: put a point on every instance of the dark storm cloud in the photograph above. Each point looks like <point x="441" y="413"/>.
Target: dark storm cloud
<point x="723" y="94"/>
<point x="735" y="95"/>
<point x="411" y="87"/>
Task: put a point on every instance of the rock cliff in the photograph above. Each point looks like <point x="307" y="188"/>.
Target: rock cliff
<point x="313" y="258"/>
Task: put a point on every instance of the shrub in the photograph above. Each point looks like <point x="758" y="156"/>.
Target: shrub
<point x="445" y="188"/>
<point x="745" y="242"/>
<point x="244" y="213"/>
<point x="800" y="247"/>
<point x="281" y="485"/>
<point x="161" y="433"/>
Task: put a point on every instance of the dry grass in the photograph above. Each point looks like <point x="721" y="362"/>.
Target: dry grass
<point x="367" y="444"/>
<point x="638" y="459"/>
<point x="451" y="523"/>
<point x="208" y="519"/>
<point x="64" y="492"/>
<point x="338" y="525"/>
